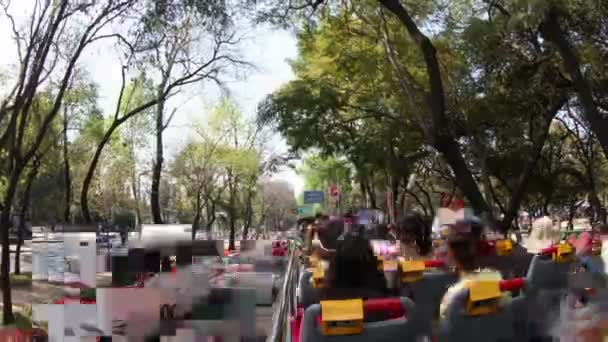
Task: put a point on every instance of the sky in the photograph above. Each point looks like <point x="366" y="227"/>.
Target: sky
<point x="268" y="49"/>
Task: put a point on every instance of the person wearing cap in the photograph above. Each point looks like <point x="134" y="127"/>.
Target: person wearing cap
<point x="463" y="241"/>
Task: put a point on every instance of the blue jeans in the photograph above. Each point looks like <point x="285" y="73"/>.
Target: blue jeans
<point x="590" y="264"/>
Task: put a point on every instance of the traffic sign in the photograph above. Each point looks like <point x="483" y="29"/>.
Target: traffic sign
<point x="306" y="210"/>
<point x="334" y="193"/>
<point x="313" y="197"/>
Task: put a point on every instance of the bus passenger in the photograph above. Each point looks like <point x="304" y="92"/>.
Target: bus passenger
<point x="463" y="251"/>
<point x="353" y="271"/>
<point x="322" y="237"/>
<point x="414" y="235"/>
<point x="544" y="233"/>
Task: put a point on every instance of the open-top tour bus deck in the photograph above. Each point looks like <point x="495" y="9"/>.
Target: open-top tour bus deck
<point x="478" y="311"/>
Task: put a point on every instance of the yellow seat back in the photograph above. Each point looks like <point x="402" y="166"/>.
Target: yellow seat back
<point x="564" y="253"/>
<point x="314" y="262"/>
<point x="504" y="247"/>
<point x="380" y="264"/>
<point x="484" y="297"/>
<point x="318" y="276"/>
<point x="390" y="265"/>
<point x="411" y="270"/>
<point x="342" y="317"/>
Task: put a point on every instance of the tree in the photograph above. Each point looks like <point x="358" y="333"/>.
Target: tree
<point x="343" y="104"/>
<point x="135" y="134"/>
<point x="583" y="161"/>
<point x="81" y="99"/>
<point x="42" y="44"/>
<point x="276" y="203"/>
<point x="239" y="158"/>
<point x="218" y="34"/>
<point x="593" y="39"/>
<point x="178" y="31"/>
<point x="199" y="174"/>
<point x="49" y="145"/>
<point x="219" y="169"/>
<point x="438" y="87"/>
<point x="320" y="173"/>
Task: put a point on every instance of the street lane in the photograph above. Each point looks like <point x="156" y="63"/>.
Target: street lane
<point x="26" y="256"/>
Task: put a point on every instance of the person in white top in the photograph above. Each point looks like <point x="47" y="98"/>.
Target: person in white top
<point x="543" y="234"/>
<point x="463" y="251"/>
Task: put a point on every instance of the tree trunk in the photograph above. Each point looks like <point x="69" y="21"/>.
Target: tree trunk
<point x="248" y="217"/>
<point x="232" y="235"/>
<point x="232" y="210"/>
<point x="88" y="179"/>
<point x="571" y="212"/>
<point x="135" y="190"/>
<point x="520" y="189"/>
<point x="135" y="186"/>
<point x="545" y="207"/>
<point x="438" y="133"/>
<point x="196" y="224"/>
<point x="402" y="208"/>
<point x="464" y="178"/>
<point x="7" y="309"/>
<point x="395" y="195"/>
<point x="158" y="164"/>
<point x="24" y="207"/>
<point x="5" y="224"/>
<point x="372" y="196"/>
<point x="17" y="267"/>
<point x="429" y="203"/>
<point x="210" y="214"/>
<point x="66" y="171"/>
<point x="362" y="188"/>
<point x="552" y="31"/>
<point x="197" y="215"/>
<point x="598" y="209"/>
<point x="485" y="175"/>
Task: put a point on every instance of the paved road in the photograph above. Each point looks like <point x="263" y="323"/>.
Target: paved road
<point x="263" y="319"/>
<point x="26" y="256"/>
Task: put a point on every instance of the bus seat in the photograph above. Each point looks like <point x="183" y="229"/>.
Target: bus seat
<point x="547" y="284"/>
<point x="427" y="293"/>
<point x="547" y="274"/>
<point x="520" y="308"/>
<point x="430" y="288"/>
<point x="405" y="328"/>
<point x="308" y="294"/>
<point x="380" y="309"/>
<point x="460" y="325"/>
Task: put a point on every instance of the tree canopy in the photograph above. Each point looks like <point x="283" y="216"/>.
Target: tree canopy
<point x="466" y="96"/>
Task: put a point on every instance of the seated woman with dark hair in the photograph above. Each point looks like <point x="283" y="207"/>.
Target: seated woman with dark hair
<point x="353" y="271"/>
<point x="414" y="234"/>
<point x="463" y="250"/>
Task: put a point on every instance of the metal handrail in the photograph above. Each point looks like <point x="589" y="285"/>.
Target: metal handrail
<point x="287" y="299"/>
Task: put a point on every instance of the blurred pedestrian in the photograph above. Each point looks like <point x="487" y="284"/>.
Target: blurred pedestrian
<point x="544" y="234"/>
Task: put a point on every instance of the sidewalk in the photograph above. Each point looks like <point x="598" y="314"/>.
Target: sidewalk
<point x="40" y="292"/>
